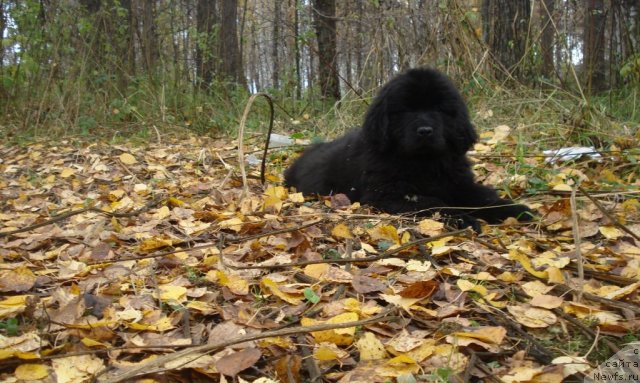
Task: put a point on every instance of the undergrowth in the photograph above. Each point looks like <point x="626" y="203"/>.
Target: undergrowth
<point x="543" y="118"/>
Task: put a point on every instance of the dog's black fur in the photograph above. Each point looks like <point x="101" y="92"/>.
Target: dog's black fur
<point x="409" y="156"/>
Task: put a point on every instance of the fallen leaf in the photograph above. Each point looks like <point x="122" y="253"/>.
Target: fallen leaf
<point x="232" y="364"/>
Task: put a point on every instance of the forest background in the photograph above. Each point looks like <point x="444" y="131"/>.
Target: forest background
<point x="96" y="67"/>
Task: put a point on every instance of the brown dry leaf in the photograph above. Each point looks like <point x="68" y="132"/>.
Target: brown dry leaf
<point x="363" y="284"/>
<point x="77" y="369"/>
<point x="19" y="279"/>
<point x="532" y="316"/>
<point x="205" y="212"/>
<point x="420" y="289"/>
<point x="232" y="364"/>
<point x="430" y="227"/>
<point x="288" y="369"/>
<point x="546" y="301"/>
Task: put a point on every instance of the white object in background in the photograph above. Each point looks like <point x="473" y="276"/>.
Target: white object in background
<point x="570" y="153"/>
<point x="279" y="141"/>
<point x="251" y="159"/>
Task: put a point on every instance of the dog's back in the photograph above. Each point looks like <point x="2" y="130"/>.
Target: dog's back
<point x="328" y="168"/>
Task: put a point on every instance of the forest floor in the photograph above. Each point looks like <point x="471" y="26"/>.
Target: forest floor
<point x="118" y="261"/>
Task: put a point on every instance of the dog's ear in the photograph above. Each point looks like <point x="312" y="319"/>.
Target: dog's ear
<point x="376" y="123"/>
<point x="463" y="136"/>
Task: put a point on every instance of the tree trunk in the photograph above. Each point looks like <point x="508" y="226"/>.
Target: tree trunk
<point x="3" y="25"/>
<point x="228" y="51"/>
<point x="547" y="38"/>
<point x="507" y="27"/>
<point x="296" y="31"/>
<point x="150" y="46"/>
<point x="205" y="47"/>
<point x="324" y="19"/>
<point x="593" y="40"/>
<point x="275" y="71"/>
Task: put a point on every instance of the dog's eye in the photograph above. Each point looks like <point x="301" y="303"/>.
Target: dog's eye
<point x="451" y="112"/>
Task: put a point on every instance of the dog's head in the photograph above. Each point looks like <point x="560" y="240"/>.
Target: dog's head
<point x="419" y="114"/>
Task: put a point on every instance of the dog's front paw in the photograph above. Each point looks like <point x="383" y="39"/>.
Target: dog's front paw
<point x="465" y="221"/>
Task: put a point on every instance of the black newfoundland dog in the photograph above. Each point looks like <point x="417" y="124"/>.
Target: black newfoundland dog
<point x="409" y="156"/>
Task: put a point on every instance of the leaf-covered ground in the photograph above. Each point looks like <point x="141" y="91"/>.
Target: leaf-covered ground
<point x="118" y="261"/>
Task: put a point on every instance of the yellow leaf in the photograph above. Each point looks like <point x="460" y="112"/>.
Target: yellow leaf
<point x="67" y="172"/>
<point x="370" y="347"/>
<point x="329" y="351"/>
<point x="341" y="231"/>
<point x="610" y="232"/>
<point x="398" y="300"/>
<point x="205" y="308"/>
<point x="508" y="276"/>
<point x="154" y="244"/>
<point x="623" y="291"/>
<point x="489" y="334"/>
<point x="499" y="133"/>
<point x="173" y="293"/>
<point x="282" y="342"/>
<point x="526" y="264"/>
<point x="92" y="343"/>
<point x="275" y="290"/>
<point x="92" y="325"/>
<point x="631" y="205"/>
<point x="608" y="176"/>
<point x="278" y="192"/>
<point x="401" y="359"/>
<point x="128" y="159"/>
<point x="234" y="224"/>
<point x="296" y="197"/>
<point x="562" y="187"/>
<point x="117" y="227"/>
<point x="422" y="352"/>
<point x="31" y="371"/>
<point x="316" y="271"/>
<point x="384" y="232"/>
<point x="465" y="285"/>
<point x="116" y="195"/>
<point x="271" y="203"/>
<point x="162" y="324"/>
<point x="555" y="275"/>
<point x="13" y="305"/>
<point x="162" y="213"/>
<point x="7" y="353"/>
<point x="236" y="284"/>
<point x="175" y="202"/>
<point x="341" y="336"/>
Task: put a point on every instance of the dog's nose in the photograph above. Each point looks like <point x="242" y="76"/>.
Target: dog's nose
<point x="425" y="131"/>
